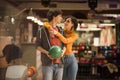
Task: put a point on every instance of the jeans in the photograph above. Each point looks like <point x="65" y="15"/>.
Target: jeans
<point x="70" y="67"/>
<point x="53" y="72"/>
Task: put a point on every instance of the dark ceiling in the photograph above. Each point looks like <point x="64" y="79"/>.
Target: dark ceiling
<point x="82" y="14"/>
<point x="18" y="2"/>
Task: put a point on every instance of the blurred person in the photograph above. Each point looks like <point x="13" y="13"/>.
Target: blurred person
<point x="13" y="53"/>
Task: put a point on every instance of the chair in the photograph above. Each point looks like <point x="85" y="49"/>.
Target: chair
<point x="16" y="72"/>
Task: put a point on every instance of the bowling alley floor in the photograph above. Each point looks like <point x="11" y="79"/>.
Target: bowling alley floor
<point x="95" y="78"/>
<point x="85" y="72"/>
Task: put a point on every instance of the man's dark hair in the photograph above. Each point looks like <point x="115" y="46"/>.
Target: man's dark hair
<point x="53" y="13"/>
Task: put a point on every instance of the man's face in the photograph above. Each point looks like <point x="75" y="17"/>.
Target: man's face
<point x="58" y="19"/>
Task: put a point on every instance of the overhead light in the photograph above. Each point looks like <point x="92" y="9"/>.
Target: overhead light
<point x="30" y="14"/>
<point x="107" y="24"/>
<point x="34" y="19"/>
<point x="12" y="20"/>
<point x="38" y="21"/>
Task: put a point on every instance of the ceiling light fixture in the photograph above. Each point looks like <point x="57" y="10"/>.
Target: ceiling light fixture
<point x="30" y="14"/>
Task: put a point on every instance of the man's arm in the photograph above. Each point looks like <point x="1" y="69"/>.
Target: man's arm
<point x="42" y="50"/>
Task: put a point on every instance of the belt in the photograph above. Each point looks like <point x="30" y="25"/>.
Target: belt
<point x="69" y="55"/>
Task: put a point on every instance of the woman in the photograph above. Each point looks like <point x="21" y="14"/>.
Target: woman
<point x="70" y="63"/>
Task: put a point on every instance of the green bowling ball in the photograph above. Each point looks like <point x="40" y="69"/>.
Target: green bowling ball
<point x="55" y="52"/>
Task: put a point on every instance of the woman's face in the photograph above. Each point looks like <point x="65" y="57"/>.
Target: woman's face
<point x="68" y="24"/>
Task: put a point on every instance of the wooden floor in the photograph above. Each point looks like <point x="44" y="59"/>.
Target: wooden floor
<point x="95" y="78"/>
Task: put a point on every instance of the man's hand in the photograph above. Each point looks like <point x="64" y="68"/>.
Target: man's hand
<point x="49" y="57"/>
<point x="51" y="33"/>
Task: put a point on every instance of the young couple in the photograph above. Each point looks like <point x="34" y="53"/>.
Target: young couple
<point x="49" y="35"/>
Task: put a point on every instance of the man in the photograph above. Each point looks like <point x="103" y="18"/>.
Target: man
<point x="52" y="69"/>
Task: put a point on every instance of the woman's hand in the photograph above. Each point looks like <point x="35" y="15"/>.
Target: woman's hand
<point x="63" y="51"/>
<point x="55" y="32"/>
